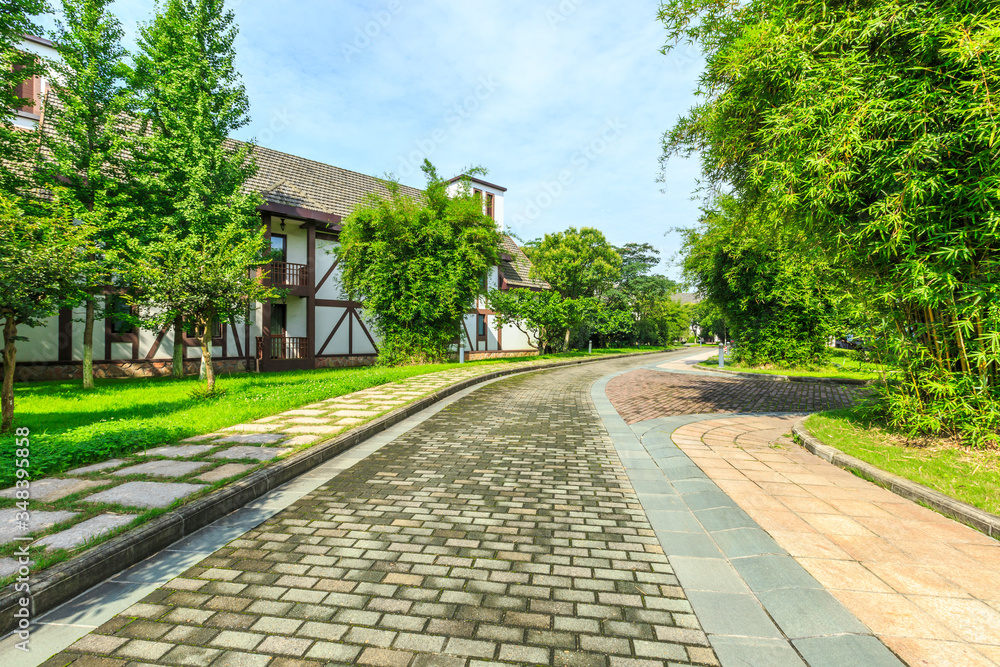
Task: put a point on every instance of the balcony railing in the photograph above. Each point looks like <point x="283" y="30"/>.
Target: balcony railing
<point x="286" y="274"/>
<point x="285" y="347"/>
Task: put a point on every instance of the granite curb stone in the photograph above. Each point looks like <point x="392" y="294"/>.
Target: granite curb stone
<point x="950" y="507"/>
<point x="70" y="578"/>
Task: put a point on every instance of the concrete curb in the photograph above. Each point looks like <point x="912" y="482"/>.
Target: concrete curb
<point x="792" y="378"/>
<point x="66" y="580"/>
<point x="946" y="505"/>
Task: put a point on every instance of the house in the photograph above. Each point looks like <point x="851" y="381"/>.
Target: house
<point x="315" y="326"/>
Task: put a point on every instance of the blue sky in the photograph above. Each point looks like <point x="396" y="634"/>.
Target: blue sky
<point x="527" y="89"/>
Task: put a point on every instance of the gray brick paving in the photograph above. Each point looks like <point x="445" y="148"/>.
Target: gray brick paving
<point x="502" y="529"/>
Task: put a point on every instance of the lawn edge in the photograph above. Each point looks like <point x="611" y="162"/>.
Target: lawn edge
<point x="952" y="508"/>
<point x="792" y="378"/>
<point x="65" y="580"/>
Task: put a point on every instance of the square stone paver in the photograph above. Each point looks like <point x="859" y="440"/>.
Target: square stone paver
<point x="162" y="468"/>
<point x="51" y="489"/>
<point x="183" y="451"/>
<point x="11" y="527"/>
<point x="144" y="494"/>
<point x="224" y="471"/>
<point x="301" y="440"/>
<point x="97" y="467"/>
<point x="257" y="453"/>
<point x="251" y="428"/>
<point x="254" y="439"/>
<point x="85" y="530"/>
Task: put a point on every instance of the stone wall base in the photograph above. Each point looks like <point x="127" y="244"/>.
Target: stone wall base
<point x="119" y="369"/>
<point x="346" y="362"/>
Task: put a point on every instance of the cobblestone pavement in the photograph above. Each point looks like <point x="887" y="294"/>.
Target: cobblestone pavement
<point x="649" y="394"/>
<point x="927" y="586"/>
<point x="503" y="528"/>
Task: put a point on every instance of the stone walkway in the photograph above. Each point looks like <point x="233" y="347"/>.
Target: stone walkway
<point x="927" y="586"/>
<point x="71" y="509"/>
<point x="503" y="528"/>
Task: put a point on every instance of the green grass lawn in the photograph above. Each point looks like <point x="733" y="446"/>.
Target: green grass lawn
<point x="71" y="427"/>
<point x="843" y="365"/>
<point x="970" y="475"/>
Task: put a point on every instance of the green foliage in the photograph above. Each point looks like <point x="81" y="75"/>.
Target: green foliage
<point x="577" y="263"/>
<point x="42" y="260"/>
<point x="779" y="300"/>
<point x="418" y="265"/>
<point x="544" y="315"/>
<point x="15" y="67"/>
<point x="872" y="128"/>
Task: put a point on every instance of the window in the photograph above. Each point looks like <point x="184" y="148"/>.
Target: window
<point x="118" y="310"/>
<point x="216" y="328"/>
<point x="279" y="246"/>
<point x="279" y="319"/>
<point x="30" y="89"/>
<point x="489" y="205"/>
<point x="480" y="326"/>
<point x="482" y="282"/>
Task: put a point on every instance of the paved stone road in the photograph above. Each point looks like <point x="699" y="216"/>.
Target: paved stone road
<point x="502" y="528"/>
<point x="648" y="394"/>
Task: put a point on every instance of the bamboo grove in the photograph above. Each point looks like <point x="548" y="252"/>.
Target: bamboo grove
<point x="871" y="129"/>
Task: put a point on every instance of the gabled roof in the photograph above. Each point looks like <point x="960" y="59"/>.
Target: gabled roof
<point x="517" y="270"/>
<point x="329" y="189"/>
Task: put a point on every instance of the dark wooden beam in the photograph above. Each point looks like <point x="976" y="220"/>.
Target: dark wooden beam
<point x="301" y="213"/>
<point x="311" y="292"/>
<point x="65" y="334"/>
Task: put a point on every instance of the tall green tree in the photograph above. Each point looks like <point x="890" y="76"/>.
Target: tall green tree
<point x="418" y="265"/>
<point x="579" y="264"/>
<point x="16" y="66"/>
<point x="873" y="128"/>
<point x="41" y="261"/>
<point x="86" y="139"/>
<point x="204" y="280"/>
<point x="190" y="99"/>
<point x="542" y="315"/>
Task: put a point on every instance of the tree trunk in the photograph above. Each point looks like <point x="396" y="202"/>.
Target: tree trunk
<point x="206" y="357"/>
<point x="178" y="365"/>
<point x="566" y="341"/>
<point x="9" y="360"/>
<point x="88" y="344"/>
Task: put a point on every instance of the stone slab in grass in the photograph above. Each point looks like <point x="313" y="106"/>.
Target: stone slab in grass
<point x="9" y="566"/>
<point x="301" y="440"/>
<point x="11" y="527"/>
<point x="52" y="489"/>
<point x="356" y="413"/>
<point x="224" y="471"/>
<point x="256" y="453"/>
<point x="83" y="531"/>
<point x="162" y="468"/>
<point x="305" y="413"/>
<point x="254" y="439"/>
<point x="97" y="467"/>
<point x="144" y="494"/>
<point x="251" y="428"/>
<point x="199" y="438"/>
<point x="308" y="420"/>
<point x="183" y="451"/>
<point x="312" y="429"/>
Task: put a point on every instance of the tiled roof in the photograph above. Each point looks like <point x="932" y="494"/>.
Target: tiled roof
<point x="686" y="297"/>
<point x="330" y="189"/>
<point x="517" y="270"/>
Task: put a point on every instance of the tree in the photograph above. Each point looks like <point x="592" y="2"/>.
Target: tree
<point x="16" y="66"/>
<point x="780" y="299"/>
<point x="871" y="127"/>
<point x="638" y="259"/>
<point x="577" y="263"/>
<point x="418" y="265"/>
<point x="190" y="177"/>
<point x="85" y="139"/>
<point x="541" y="315"/>
<point x="41" y="261"/>
<point x="202" y="279"/>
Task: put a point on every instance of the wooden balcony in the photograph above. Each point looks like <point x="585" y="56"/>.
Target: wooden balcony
<point x="284" y="348"/>
<point x="286" y="274"/>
